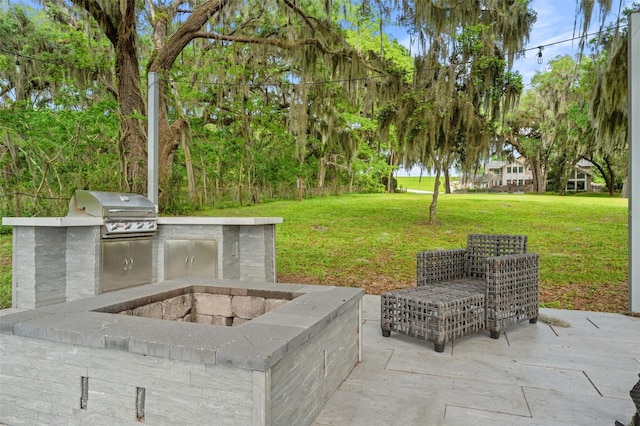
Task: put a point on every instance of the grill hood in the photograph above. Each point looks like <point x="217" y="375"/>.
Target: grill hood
<point x="111" y="205"/>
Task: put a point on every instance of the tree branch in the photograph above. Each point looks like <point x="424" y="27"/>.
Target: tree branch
<point x="301" y="14"/>
<point x="106" y="22"/>
<point x="287" y="45"/>
<point x="165" y="58"/>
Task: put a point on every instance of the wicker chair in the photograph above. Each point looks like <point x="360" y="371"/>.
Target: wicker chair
<point x="491" y="284"/>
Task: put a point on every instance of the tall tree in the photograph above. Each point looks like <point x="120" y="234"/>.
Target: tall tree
<point x="580" y="106"/>
<point x="563" y="123"/>
<point x="461" y="83"/>
<point x="524" y="132"/>
<point x="609" y="99"/>
<point x="608" y="109"/>
<point x="304" y="33"/>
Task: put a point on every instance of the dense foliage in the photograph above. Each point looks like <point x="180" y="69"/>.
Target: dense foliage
<point x="257" y="98"/>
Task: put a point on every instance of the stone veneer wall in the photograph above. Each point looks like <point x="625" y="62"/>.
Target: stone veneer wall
<point x="303" y="382"/>
<point x="76" y="364"/>
<point x="205" y="308"/>
<point x="246" y="252"/>
<point x="41" y="384"/>
<point x="59" y="259"/>
<point x="39" y="268"/>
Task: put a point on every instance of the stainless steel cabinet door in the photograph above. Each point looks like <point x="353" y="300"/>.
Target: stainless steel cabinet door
<point x="190" y="258"/>
<point x="176" y="259"/>
<point x="204" y="262"/>
<point x="125" y="263"/>
<point x="140" y="266"/>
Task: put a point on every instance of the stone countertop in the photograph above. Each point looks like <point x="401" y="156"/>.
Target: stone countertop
<point x="66" y="221"/>
<point x="71" y="221"/>
<point x="256" y="345"/>
<point x="208" y="220"/>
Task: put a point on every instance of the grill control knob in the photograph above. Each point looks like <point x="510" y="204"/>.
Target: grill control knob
<point x="113" y="227"/>
<point x="139" y="225"/>
<point x="128" y="225"/>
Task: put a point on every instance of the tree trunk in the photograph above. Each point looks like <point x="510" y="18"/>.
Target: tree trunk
<point x="170" y="139"/>
<point x="393" y="161"/>
<point x="165" y="56"/>
<point x="191" y="180"/>
<point x="240" y="183"/>
<point x="218" y="182"/>
<point x="133" y="139"/>
<point x="539" y="184"/>
<point x="205" y="196"/>
<point x="322" y="172"/>
<point x="447" y="182"/>
<point x="434" y="197"/>
<point x="607" y="172"/>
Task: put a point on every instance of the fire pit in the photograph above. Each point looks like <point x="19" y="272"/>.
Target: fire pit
<point x="151" y="353"/>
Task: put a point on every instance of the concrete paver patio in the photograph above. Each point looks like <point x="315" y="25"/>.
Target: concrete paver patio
<point x="535" y="374"/>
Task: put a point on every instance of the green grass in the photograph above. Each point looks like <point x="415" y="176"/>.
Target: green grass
<point x="424" y="183"/>
<point x="370" y="241"/>
<point x="5" y="271"/>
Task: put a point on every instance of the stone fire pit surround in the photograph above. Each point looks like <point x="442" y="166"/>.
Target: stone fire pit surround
<point x="211" y="308"/>
<point x="87" y="361"/>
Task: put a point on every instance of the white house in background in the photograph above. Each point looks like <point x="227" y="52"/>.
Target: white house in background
<point x="581" y="178"/>
<point x="516" y="174"/>
<point x="503" y="173"/>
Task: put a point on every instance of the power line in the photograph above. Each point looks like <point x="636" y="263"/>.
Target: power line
<point x="569" y="39"/>
<point x="539" y="48"/>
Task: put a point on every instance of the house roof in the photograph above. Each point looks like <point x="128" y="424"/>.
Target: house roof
<point x="583" y="170"/>
<point x="584" y="163"/>
<point x="493" y="164"/>
<point x="483" y="179"/>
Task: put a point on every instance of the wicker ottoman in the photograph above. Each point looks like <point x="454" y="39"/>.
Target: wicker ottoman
<point x="437" y="313"/>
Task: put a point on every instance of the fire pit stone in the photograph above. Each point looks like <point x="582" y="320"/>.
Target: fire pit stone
<point x="277" y="368"/>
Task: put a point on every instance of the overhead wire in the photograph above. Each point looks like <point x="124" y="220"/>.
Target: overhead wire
<point x="539" y="59"/>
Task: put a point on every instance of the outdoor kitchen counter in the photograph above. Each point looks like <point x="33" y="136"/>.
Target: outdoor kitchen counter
<point x="61" y="259"/>
<point x="69" y="221"/>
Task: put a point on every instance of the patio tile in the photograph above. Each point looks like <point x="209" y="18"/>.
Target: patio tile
<point x="468" y="416"/>
<point x="535" y="374"/>
<point x="559" y="407"/>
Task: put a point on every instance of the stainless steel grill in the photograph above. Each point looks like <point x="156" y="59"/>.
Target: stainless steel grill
<point x="124" y="214"/>
<point x="130" y="220"/>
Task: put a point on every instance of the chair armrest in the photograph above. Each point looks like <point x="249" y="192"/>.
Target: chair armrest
<point x="513" y="279"/>
<point x="521" y="267"/>
<point x="440" y="265"/>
